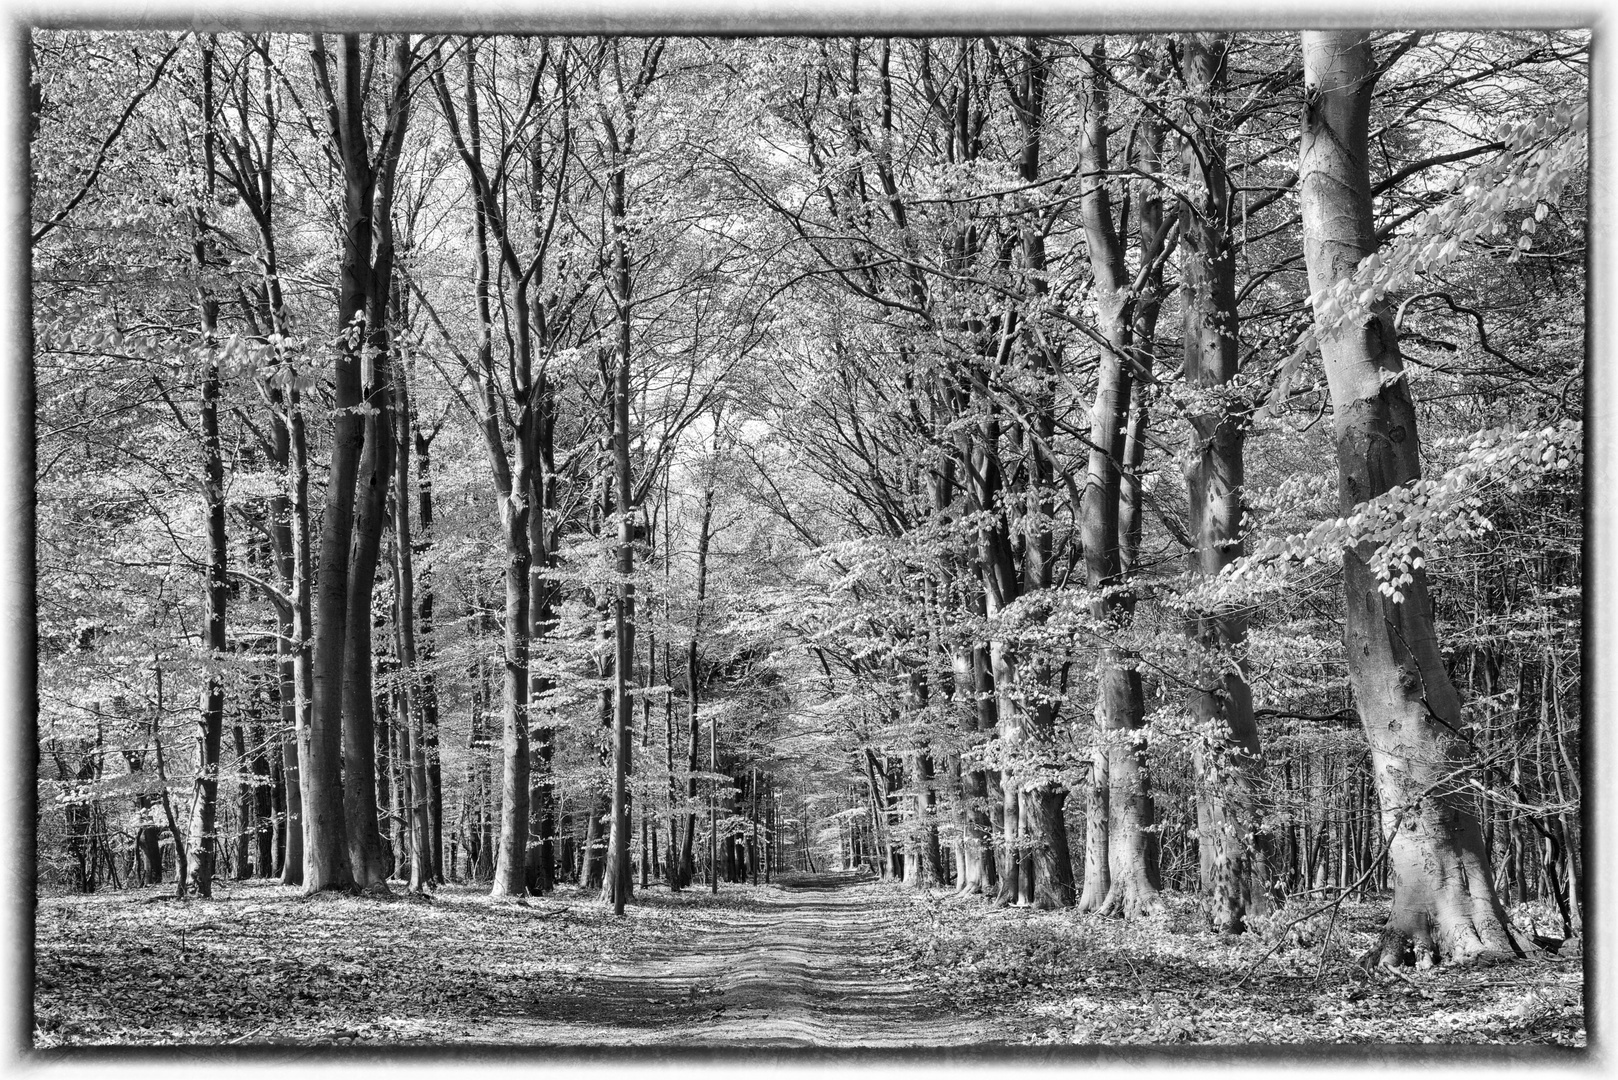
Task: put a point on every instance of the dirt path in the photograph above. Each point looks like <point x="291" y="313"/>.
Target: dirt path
<point x="810" y="962"/>
<point x="829" y="961"/>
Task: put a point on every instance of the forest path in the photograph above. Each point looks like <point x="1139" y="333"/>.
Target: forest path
<point x="811" y="961"/>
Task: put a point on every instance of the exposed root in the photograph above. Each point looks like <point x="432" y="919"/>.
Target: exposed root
<point x="1129" y="901"/>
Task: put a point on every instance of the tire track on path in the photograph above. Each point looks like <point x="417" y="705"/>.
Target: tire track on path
<point x="812" y="961"/>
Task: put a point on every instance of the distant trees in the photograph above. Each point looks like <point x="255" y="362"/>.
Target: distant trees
<point x="900" y="452"/>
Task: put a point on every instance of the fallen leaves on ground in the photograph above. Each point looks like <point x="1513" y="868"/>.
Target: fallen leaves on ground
<point x="261" y="964"/>
<point x="1167" y="980"/>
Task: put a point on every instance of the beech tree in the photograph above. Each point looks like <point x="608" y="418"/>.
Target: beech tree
<point x="341" y="702"/>
<point x="1234" y="842"/>
<point x="1444" y="903"/>
<point x="210" y="723"/>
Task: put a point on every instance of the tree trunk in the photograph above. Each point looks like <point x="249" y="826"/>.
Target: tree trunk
<point x="211" y="716"/>
<point x="1120" y="705"/>
<point x="713" y="805"/>
<point x="1097" y="813"/>
<point x="244" y="803"/>
<point x="296" y="724"/>
<point x="1444" y="904"/>
<point x="616" y="887"/>
<point x="1052" y="863"/>
<point x="375" y="470"/>
<point x="427" y="689"/>
<point x="977" y="873"/>
<point x="677" y="876"/>
<point x="365" y="847"/>
<point x="648" y="837"/>
<point x="542" y="546"/>
<point x="404" y="614"/>
<point x="513" y="476"/>
<point x="1221" y="704"/>
<point x="263" y="782"/>
<point x="510" y="874"/>
<point x="326" y="841"/>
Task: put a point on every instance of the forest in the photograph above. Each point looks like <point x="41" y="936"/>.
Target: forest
<point x="853" y="541"/>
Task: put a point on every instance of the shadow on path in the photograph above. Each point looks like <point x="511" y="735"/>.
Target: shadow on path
<point x="810" y="961"/>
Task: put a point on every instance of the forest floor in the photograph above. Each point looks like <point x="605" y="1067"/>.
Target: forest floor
<point x="829" y="960"/>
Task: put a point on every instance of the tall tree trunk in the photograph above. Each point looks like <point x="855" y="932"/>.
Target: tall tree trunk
<point x="1444" y="903"/>
<point x="426" y="688"/>
<point x="676" y="876"/>
<point x="410" y="712"/>
<point x="326" y="841"/>
<point x="244" y="803"/>
<point x="375" y="470"/>
<point x="211" y="716"/>
<point x="617" y="885"/>
<point x="360" y="797"/>
<point x="542" y="546"/>
<point x="384" y="759"/>
<point x="753" y="848"/>
<point x="297" y="726"/>
<point x="510" y="876"/>
<point x="648" y="837"/>
<point x="1221" y="703"/>
<point x="513" y="476"/>
<point x="713" y="805"/>
<point x="1052" y="862"/>
<point x="1120" y="706"/>
<point x="931" y="861"/>
<point x="1000" y="586"/>
<point x="977" y="867"/>
<point x="262" y="781"/>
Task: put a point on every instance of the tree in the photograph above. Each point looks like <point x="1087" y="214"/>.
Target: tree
<point x="1227" y="751"/>
<point x="618" y="135"/>
<point x="210" y="722"/>
<point x="342" y="847"/>
<point x="1444" y="903"/>
<point x="1129" y="305"/>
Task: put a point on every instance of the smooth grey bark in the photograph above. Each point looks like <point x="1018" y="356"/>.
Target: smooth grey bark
<point x="1444" y="902"/>
<point x="1227" y="753"/>
<point x="1120" y="703"/>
